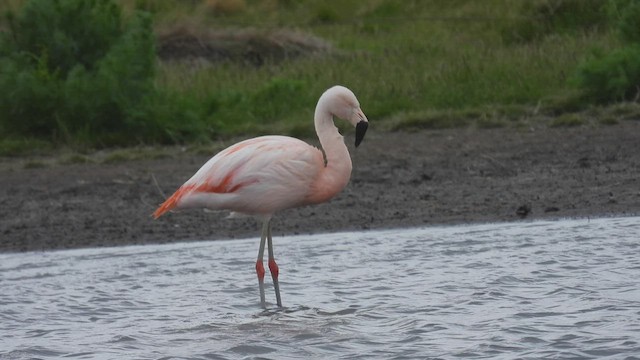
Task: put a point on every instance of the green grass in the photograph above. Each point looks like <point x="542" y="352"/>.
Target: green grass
<point x="568" y="120"/>
<point x="412" y="63"/>
<point x="420" y="58"/>
<point x="23" y="146"/>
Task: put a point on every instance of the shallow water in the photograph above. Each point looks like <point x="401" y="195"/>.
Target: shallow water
<point x="562" y="290"/>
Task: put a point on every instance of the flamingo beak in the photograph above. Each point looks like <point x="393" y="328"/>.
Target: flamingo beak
<point x="361" y="127"/>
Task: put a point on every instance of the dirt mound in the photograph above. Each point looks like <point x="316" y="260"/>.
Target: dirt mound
<point x="250" y="46"/>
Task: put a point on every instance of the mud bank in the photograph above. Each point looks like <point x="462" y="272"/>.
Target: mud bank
<point x="400" y="179"/>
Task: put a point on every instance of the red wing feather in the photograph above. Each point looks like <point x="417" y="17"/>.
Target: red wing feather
<point x="172" y="201"/>
<point x="224" y="187"/>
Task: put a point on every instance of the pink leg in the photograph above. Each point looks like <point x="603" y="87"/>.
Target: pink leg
<point x="260" y="270"/>
<point x="273" y="267"/>
<point x="259" y="266"/>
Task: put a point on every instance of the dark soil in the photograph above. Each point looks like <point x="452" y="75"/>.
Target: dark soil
<point x="400" y="179"/>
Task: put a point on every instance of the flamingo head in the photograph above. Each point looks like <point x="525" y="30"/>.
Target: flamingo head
<point x="342" y="103"/>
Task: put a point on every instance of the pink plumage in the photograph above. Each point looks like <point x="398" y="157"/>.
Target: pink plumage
<point x="263" y="175"/>
<point x="257" y="176"/>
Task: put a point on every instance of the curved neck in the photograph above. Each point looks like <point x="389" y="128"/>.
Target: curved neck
<point x="337" y="171"/>
<point x="332" y="142"/>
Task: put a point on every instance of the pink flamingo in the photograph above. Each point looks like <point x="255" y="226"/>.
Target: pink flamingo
<point x="263" y="175"/>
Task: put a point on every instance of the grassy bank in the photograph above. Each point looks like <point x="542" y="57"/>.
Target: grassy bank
<point x="409" y="62"/>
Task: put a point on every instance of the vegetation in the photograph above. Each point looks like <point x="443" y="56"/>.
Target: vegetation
<point x="615" y="76"/>
<point x="74" y="72"/>
<point x="85" y="74"/>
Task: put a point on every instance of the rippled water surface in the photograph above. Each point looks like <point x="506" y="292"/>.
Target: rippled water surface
<point x="562" y="290"/>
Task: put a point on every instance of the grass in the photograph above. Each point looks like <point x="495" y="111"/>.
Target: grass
<point x="412" y="63"/>
<point x="23" y="146"/>
<point x="568" y="120"/>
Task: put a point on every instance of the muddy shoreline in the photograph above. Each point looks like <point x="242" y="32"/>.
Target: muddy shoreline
<point x="400" y="179"/>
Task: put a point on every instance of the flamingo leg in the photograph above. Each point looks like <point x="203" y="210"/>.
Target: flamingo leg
<point x="259" y="266"/>
<point x="273" y="267"/>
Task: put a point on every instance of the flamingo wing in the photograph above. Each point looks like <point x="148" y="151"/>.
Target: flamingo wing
<point x="256" y="176"/>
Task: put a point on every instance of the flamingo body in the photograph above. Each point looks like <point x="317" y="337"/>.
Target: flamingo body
<point x="264" y="175"/>
<point x="259" y="176"/>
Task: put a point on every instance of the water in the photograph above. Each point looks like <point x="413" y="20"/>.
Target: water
<point x="561" y="290"/>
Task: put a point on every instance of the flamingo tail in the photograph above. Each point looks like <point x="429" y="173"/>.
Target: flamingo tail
<point x="171" y="202"/>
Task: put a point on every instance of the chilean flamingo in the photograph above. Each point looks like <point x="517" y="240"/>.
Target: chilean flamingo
<point x="263" y="175"/>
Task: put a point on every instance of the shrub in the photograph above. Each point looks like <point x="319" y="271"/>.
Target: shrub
<point x="615" y="76"/>
<point x="611" y="77"/>
<point x="67" y="32"/>
<point x="74" y="71"/>
<point x="625" y="14"/>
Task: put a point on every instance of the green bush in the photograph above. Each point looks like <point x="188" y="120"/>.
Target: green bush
<point x="68" y="32"/>
<point x="625" y="15"/>
<point x="74" y="71"/>
<point x="615" y="76"/>
<point x="611" y="77"/>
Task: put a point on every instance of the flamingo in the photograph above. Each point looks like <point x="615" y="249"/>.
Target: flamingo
<point x="263" y="175"/>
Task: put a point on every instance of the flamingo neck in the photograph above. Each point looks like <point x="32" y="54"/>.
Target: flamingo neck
<point x="337" y="171"/>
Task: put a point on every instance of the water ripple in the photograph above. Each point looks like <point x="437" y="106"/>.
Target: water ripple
<point x="565" y="290"/>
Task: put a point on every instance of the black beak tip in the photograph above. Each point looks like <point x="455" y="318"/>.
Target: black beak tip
<point x="361" y="129"/>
